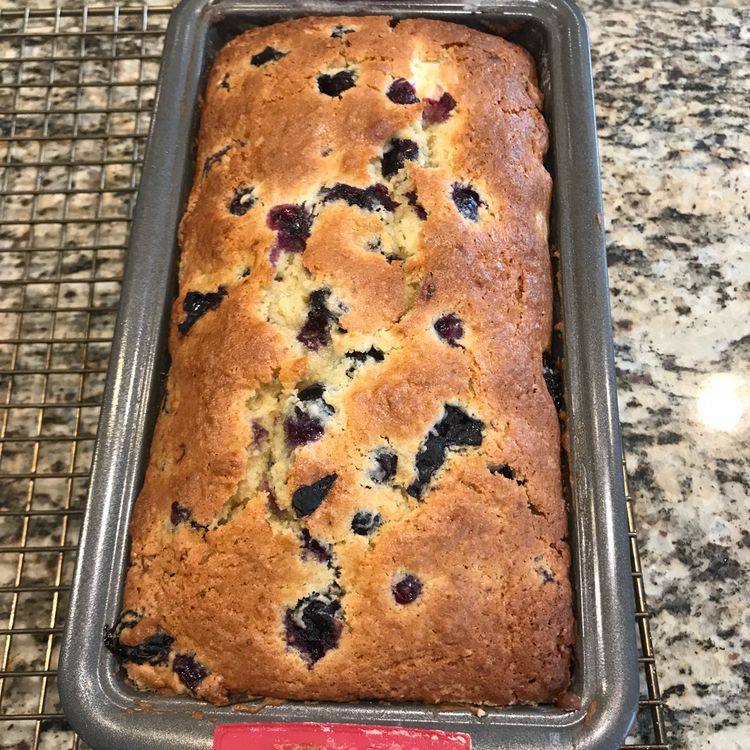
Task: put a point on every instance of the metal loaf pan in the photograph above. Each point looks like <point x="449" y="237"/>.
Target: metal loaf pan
<point x="99" y="702"/>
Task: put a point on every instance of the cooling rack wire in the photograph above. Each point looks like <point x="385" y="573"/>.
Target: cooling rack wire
<point x="76" y="92"/>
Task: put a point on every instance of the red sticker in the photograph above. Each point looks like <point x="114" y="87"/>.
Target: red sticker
<point x="334" y="737"/>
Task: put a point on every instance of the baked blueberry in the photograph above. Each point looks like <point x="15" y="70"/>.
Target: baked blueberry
<point x="292" y="223"/>
<point x="359" y="358"/>
<point x="314" y="625"/>
<point x="197" y="304"/>
<point x="407" y="590"/>
<point x="402" y="91"/>
<point x="312" y="392"/>
<point x="315" y="331"/>
<point x="429" y="459"/>
<point x="419" y="209"/>
<point x="542" y="570"/>
<point x="336" y="84"/>
<point x="300" y="428"/>
<point x="369" y="199"/>
<point x="307" y="498"/>
<point x="339" y="31"/>
<point x="260" y="433"/>
<point x="400" y="150"/>
<point x="180" y="514"/>
<point x="245" y="272"/>
<point x="450" y="328"/>
<point x="224" y="84"/>
<point x="365" y="522"/>
<point x="242" y="201"/>
<point x="438" y="110"/>
<point x="153" y="650"/>
<point x="553" y="380"/>
<point x="467" y="200"/>
<point x="506" y="471"/>
<point x="319" y="551"/>
<point x="384" y="466"/>
<point x="214" y="159"/>
<point x="305" y="425"/>
<point x="455" y="429"/>
<point x="458" y="428"/>
<point x="269" y="54"/>
<point x="189" y="670"/>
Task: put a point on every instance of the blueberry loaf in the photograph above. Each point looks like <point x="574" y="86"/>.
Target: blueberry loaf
<point x="354" y="487"/>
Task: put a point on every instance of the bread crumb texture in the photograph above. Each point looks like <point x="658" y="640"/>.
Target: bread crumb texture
<point x="354" y="486"/>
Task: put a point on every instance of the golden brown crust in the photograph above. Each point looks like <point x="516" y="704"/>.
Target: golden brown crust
<point x="219" y="560"/>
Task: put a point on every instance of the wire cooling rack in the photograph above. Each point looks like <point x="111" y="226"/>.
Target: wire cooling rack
<point x="76" y="92"/>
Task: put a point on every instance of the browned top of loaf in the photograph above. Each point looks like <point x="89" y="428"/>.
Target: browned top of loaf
<point x="493" y="623"/>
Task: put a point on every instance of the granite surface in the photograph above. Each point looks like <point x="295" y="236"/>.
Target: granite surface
<point x="672" y="82"/>
<point x="672" y="86"/>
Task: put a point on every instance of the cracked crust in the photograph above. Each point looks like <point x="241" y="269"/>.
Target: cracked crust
<point x="493" y="622"/>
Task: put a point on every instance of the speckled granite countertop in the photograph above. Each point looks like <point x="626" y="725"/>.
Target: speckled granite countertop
<point x="672" y="83"/>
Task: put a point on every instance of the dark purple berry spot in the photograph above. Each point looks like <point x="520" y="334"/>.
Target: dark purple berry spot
<point x="189" y="670"/>
<point x="407" y="589"/>
<point x="197" y="304"/>
<point x="450" y="328"/>
<point x="399" y="152"/>
<point x="319" y="551"/>
<point x="336" y="84"/>
<point x="402" y="92"/>
<point x="312" y="392"/>
<point x="305" y="424"/>
<point x="542" y="570"/>
<point x="339" y="31"/>
<point x="292" y="223"/>
<point x="153" y="650"/>
<point x="315" y="331"/>
<point x="314" y="626"/>
<point x="366" y="522"/>
<point x="260" y="433"/>
<point x="369" y="199"/>
<point x="384" y="467"/>
<point x="429" y="459"/>
<point x="180" y="514"/>
<point x="359" y="358"/>
<point x="467" y="200"/>
<point x="308" y="497"/>
<point x="553" y="380"/>
<point x="393" y="22"/>
<point x="269" y="54"/>
<point x="245" y="272"/>
<point x="326" y="152"/>
<point x="392" y="257"/>
<point x="242" y="201"/>
<point x="456" y="429"/>
<point x="300" y="428"/>
<point x="214" y="159"/>
<point x="506" y="471"/>
<point x="438" y="110"/>
<point x="419" y="209"/>
<point x="225" y="82"/>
